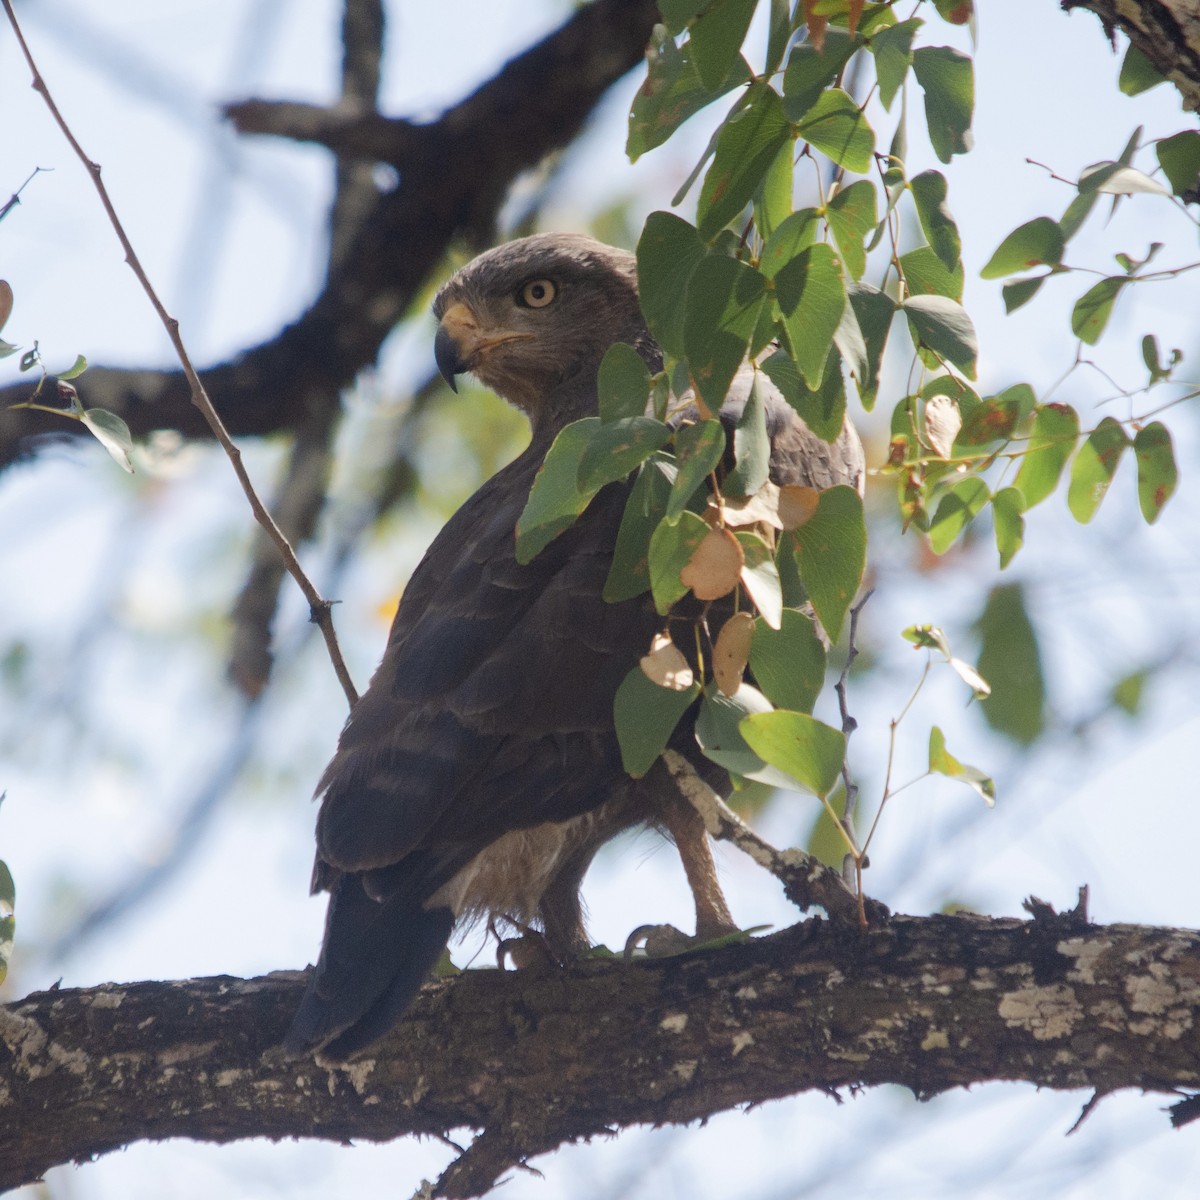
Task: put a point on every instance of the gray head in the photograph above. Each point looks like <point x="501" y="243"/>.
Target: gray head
<point x="533" y="318"/>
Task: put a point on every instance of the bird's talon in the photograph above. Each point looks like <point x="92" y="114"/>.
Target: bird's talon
<point x="528" y="950"/>
<point x="657" y="941"/>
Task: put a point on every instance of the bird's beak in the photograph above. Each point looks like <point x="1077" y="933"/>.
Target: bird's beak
<point x="456" y="333"/>
<point x="460" y="341"/>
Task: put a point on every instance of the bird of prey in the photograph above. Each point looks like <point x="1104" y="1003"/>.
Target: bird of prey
<point x="480" y="772"/>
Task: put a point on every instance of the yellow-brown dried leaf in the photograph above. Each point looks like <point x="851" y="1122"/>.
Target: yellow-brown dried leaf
<point x="716" y="563"/>
<point x="796" y="505"/>
<point x="666" y="666"/>
<point x="732" y="652"/>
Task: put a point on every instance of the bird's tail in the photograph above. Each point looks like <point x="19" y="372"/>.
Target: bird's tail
<point x="375" y="956"/>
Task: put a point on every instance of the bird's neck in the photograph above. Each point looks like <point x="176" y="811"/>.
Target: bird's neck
<point x="578" y="396"/>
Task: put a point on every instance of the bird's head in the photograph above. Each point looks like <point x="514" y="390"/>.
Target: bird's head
<point x="532" y="319"/>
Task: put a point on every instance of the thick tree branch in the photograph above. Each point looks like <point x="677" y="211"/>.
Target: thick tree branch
<point x="537" y="1058"/>
<point x="1167" y="32"/>
<point x="537" y="104"/>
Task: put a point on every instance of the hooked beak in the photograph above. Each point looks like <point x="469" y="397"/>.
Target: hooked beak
<point x="460" y="342"/>
<point x="447" y="355"/>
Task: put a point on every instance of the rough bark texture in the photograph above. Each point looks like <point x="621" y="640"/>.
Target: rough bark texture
<point x="537" y="1058"/>
<point x="454" y="174"/>
<point x="1167" y="32"/>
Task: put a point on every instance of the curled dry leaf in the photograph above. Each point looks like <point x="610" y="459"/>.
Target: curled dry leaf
<point x="942" y="423"/>
<point x="666" y="666"/>
<point x="732" y="652"/>
<point x="796" y="504"/>
<point x="760" y="509"/>
<point x="715" y="565"/>
<point x="6" y="301"/>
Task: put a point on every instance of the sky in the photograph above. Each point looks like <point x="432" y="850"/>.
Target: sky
<point x="119" y="730"/>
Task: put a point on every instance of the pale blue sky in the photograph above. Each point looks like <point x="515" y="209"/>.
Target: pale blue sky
<point x="232" y="233"/>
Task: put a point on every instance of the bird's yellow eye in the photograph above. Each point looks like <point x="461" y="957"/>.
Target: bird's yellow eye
<point x="537" y="293"/>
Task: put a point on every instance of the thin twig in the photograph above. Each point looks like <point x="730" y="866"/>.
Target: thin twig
<point x="15" y="198"/>
<point x="319" y="608"/>
<point x="849" y="724"/>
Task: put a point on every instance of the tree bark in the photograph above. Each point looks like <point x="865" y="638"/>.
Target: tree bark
<point x="542" y="1057"/>
<point x="1167" y="32"/>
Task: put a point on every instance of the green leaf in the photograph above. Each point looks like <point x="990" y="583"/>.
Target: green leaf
<point x="925" y="275"/>
<point x="1138" y="73"/>
<point x="957" y="508"/>
<point x="677" y="13"/>
<point x="804" y="748"/>
<point x="1011" y="661"/>
<point x="1037" y="242"/>
<point x="932" y="637"/>
<point x="719" y="735"/>
<point x="1157" y="473"/>
<point x="943" y="762"/>
<point x="668" y="251"/>
<point x="716" y="38"/>
<point x="8" y="896"/>
<point x="893" y="50"/>
<point x="698" y="450"/>
<point x="874" y="310"/>
<point x="670" y="548"/>
<point x="956" y="12"/>
<point x="1076" y="213"/>
<point x="836" y="126"/>
<point x="723" y="301"/>
<point x="1094" y="467"/>
<point x="1008" y="519"/>
<point x="760" y="577"/>
<point x="6" y="302"/>
<point x="851" y="217"/>
<point x="751" y="446"/>
<point x="746" y="146"/>
<point x="779" y="34"/>
<point x="616" y="447"/>
<point x="1129" y="692"/>
<point x="1118" y="179"/>
<point x="671" y="93"/>
<point x="629" y="574"/>
<point x="831" y="553"/>
<point x="1021" y="291"/>
<point x="996" y="418"/>
<point x="623" y="383"/>
<point x="1179" y="157"/>
<point x="645" y="716"/>
<point x="948" y="80"/>
<point x="788" y="663"/>
<point x="810" y="71"/>
<point x="555" y="499"/>
<point x="929" y="191"/>
<point x="76" y="369"/>
<point x="811" y="297"/>
<point x="1051" y="442"/>
<point x="795" y="233"/>
<point x="112" y="433"/>
<point x="773" y="199"/>
<point x="823" y="409"/>
<point x="850" y="344"/>
<point x="943" y="326"/>
<point x="7" y="348"/>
